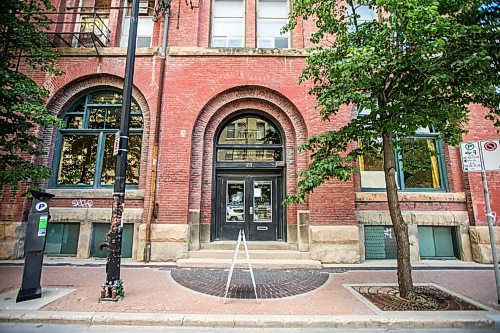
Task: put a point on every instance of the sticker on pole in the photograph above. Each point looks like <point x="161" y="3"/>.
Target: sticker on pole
<point x="116" y="144"/>
<point x="491" y="154"/>
<point x="471" y="156"/>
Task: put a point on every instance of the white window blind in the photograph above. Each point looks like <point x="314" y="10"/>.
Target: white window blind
<point x="272" y="16"/>
<point x="227" y="23"/>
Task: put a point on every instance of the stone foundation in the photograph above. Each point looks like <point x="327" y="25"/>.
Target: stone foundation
<point x="481" y="245"/>
<point x="169" y="242"/>
<point x="335" y="244"/>
<point x="12" y="236"/>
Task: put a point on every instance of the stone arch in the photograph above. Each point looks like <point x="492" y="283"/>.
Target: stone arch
<point x="219" y="108"/>
<point x="73" y="90"/>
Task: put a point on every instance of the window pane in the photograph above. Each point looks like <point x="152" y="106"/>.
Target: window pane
<point x="275" y="9"/>
<point x="235" y="201"/>
<point x="97" y="117"/>
<point x="262" y="201"/>
<point x="113" y="118"/>
<point x="134" y="107"/>
<point x="270" y="28"/>
<point x="78" y="159"/>
<point x="420" y="165"/>
<point x="249" y="155"/>
<point x="265" y="43"/>
<point x="249" y="130"/>
<point x="225" y="8"/>
<point x="232" y="42"/>
<point x="219" y="42"/>
<point x="227" y="27"/>
<point x="143" y="41"/>
<point x="371" y="166"/>
<point x="136" y="122"/>
<point x="106" y="98"/>
<point x="145" y="26"/>
<point x="74" y="121"/>
<point x="79" y="108"/>
<point x="133" y="161"/>
<point x="372" y="171"/>
<point x="281" y="43"/>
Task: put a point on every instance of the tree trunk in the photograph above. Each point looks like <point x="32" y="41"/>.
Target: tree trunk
<point x="400" y="227"/>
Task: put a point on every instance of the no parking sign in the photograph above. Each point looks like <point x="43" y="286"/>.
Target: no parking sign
<point x="491" y="154"/>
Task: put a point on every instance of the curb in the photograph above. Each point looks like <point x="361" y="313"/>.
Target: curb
<point x="459" y="319"/>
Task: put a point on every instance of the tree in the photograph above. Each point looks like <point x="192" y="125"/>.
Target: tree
<point x="22" y="100"/>
<point x="418" y="65"/>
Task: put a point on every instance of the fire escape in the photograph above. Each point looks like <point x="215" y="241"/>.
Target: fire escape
<point x="83" y="27"/>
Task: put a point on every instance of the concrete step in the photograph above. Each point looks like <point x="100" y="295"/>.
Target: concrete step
<point x="231" y="245"/>
<point x="254" y="254"/>
<point x="242" y="263"/>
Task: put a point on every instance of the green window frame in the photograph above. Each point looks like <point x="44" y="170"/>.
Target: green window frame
<point x="431" y="178"/>
<point x="83" y="156"/>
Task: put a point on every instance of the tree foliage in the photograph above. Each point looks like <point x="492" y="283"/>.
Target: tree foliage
<point x="22" y="100"/>
<point x="418" y="65"/>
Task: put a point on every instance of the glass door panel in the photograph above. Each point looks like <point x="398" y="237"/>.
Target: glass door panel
<point x="262" y="201"/>
<point x="235" y="201"/>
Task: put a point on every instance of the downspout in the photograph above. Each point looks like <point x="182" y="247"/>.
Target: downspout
<point x="153" y="209"/>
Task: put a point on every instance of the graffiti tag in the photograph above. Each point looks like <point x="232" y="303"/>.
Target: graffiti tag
<point x="82" y="203"/>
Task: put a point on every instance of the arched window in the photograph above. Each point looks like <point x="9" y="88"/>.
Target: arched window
<point x="249" y="139"/>
<point x="84" y="148"/>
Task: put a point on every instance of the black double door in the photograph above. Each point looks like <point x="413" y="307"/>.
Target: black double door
<point x="251" y="203"/>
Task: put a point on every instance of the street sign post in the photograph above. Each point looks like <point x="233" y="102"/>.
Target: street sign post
<point x="471" y="156"/>
<point x="484" y="156"/>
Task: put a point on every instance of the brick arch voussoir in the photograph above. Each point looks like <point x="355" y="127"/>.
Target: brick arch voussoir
<point x="216" y="111"/>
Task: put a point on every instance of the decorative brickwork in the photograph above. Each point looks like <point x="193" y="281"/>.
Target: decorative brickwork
<point x="273" y="105"/>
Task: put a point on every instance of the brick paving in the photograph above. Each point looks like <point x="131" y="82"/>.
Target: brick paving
<point x="153" y="290"/>
<point x="269" y="283"/>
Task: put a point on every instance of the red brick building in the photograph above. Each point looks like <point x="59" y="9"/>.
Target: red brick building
<point x="216" y="121"/>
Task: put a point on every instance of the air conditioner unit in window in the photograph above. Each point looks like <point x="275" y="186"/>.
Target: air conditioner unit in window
<point x="143" y="7"/>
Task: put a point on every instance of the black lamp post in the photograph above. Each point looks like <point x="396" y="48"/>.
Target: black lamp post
<point x="113" y="287"/>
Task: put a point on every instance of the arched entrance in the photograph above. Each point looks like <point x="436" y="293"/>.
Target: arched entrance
<point x="248" y="185"/>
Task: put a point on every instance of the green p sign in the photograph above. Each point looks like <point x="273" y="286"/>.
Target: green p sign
<point x="43" y="222"/>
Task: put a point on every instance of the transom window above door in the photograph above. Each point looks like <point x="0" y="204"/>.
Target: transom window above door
<point x="249" y="139"/>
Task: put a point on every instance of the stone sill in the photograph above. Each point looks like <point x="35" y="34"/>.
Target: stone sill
<point x="73" y="193"/>
<point x="234" y="51"/>
<point x="105" y="51"/>
<point x="411" y="196"/>
<point x="176" y="51"/>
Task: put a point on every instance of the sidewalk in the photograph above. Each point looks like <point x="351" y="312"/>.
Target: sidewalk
<point x="71" y="291"/>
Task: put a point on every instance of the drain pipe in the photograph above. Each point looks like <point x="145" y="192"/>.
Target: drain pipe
<point x="153" y="206"/>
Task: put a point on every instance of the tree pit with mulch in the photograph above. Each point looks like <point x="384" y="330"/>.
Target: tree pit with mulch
<point x="427" y="298"/>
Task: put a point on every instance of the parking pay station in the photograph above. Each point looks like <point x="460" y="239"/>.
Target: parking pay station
<point x="34" y="246"/>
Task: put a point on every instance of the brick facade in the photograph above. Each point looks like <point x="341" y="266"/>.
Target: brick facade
<point x="204" y="86"/>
